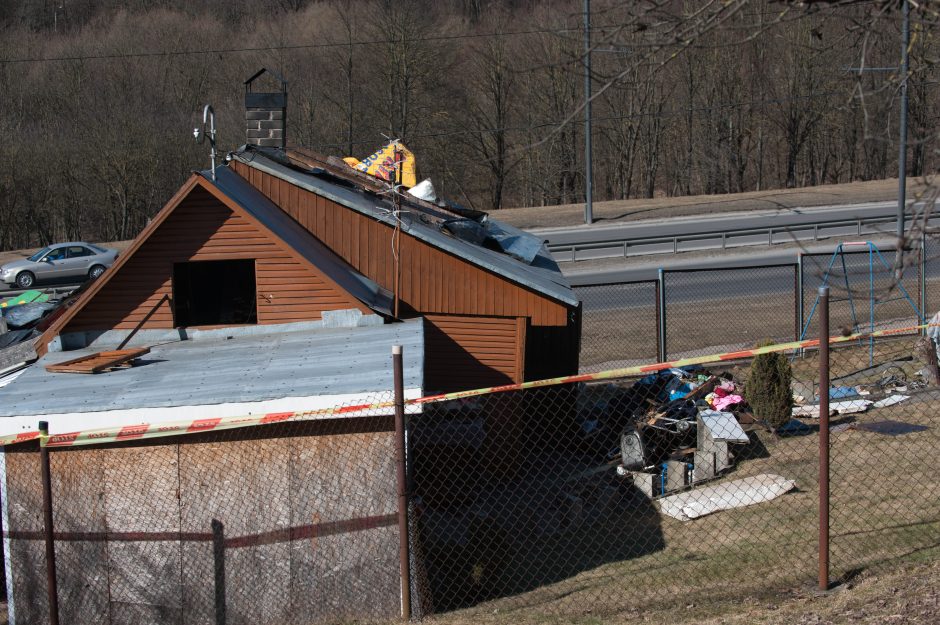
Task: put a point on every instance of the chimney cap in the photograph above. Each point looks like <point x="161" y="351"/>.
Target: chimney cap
<point x="261" y="71"/>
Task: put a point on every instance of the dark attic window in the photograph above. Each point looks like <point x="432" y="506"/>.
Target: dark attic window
<point x="212" y="293"/>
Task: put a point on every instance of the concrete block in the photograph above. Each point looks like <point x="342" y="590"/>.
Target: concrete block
<point x="258" y="114"/>
<point x="271" y="124"/>
<point x="646" y="483"/>
<point x="704" y="469"/>
<point x="675" y="475"/>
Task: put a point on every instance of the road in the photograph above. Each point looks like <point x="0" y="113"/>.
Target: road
<point x="721" y="231"/>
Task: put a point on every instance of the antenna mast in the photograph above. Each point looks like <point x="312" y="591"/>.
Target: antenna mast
<point x="208" y="129"/>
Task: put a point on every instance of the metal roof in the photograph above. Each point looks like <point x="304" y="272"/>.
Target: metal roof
<point x="241" y="370"/>
<point x="542" y="275"/>
<point x="297" y="237"/>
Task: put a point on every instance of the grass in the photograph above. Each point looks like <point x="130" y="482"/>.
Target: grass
<point x="730" y="566"/>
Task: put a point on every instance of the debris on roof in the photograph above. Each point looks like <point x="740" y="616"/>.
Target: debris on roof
<point x="99" y="362"/>
<point x="504" y="250"/>
<point x="385" y="162"/>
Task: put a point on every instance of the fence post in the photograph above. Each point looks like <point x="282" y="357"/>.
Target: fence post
<point x="48" y="528"/>
<point x="922" y="278"/>
<point x="400" y="457"/>
<point x="823" y="438"/>
<point x="799" y="298"/>
<point x="661" y="315"/>
<point x="218" y="561"/>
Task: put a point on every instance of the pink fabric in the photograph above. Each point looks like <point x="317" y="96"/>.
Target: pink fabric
<point x="724" y="402"/>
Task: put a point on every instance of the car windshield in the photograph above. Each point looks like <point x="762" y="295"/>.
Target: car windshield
<point x="39" y="254"/>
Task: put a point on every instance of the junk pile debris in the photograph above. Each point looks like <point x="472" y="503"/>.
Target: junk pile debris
<point x="23" y="317"/>
<point x="685" y="430"/>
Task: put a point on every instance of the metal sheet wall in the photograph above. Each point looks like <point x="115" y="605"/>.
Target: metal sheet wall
<point x="473" y="352"/>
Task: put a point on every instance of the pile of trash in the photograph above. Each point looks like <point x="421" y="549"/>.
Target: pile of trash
<point x="687" y="430"/>
<point x="22" y="318"/>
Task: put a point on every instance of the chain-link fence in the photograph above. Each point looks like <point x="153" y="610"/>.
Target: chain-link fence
<point x="619" y="324"/>
<point x="611" y="494"/>
<point x="700" y="311"/>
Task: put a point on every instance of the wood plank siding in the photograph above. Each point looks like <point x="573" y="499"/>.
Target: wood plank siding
<point x="473" y="352"/>
<point x="433" y="281"/>
<point x="202" y="228"/>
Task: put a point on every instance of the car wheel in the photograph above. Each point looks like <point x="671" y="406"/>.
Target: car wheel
<point x="25" y="279"/>
<point x="95" y="271"/>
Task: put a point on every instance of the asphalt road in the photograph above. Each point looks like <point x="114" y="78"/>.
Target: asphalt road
<point x="721" y="231"/>
<point x="713" y="279"/>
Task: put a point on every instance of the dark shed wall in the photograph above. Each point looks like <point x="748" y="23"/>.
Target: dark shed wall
<point x="202" y="228"/>
<point x="464" y="352"/>
<point x="433" y="281"/>
<point x="309" y="524"/>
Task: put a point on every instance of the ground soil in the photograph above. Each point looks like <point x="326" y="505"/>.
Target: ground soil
<point x="666" y="207"/>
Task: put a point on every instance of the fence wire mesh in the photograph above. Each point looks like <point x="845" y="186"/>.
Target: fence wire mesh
<point x="597" y="500"/>
<point x="619" y="325"/>
<point x="727" y="309"/>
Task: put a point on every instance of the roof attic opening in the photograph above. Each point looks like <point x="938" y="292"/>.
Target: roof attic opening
<point x="213" y="293"/>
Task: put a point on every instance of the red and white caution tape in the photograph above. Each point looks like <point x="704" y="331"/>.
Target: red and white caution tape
<point x="177" y="428"/>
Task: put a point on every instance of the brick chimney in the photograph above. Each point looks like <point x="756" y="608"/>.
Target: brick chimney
<point x="266" y="113"/>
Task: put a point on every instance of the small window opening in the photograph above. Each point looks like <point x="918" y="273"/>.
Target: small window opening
<point x="218" y="292"/>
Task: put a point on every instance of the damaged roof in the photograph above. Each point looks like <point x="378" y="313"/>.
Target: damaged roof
<point x="237" y="372"/>
<point x="368" y="196"/>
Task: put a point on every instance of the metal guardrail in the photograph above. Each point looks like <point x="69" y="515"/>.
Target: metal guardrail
<point x="625" y="247"/>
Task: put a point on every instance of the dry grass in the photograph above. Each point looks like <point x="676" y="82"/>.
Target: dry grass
<point x="758" y="564"/>
<point x="666" y="207"/>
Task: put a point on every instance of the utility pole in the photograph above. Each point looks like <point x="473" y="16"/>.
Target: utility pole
<point x="588" y="168"/>
<point x="902" y="150"/>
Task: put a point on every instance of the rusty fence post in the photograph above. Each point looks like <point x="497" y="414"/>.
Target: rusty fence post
<point x="824" y="438"/>
<point x="48" y="528"/>
<point x="661" y="315"/>
<point x="400" y="461"/>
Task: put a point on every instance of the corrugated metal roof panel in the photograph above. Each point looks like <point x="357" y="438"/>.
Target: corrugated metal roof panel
<point x="243" y="368"/>
<point x="542" y="275"/>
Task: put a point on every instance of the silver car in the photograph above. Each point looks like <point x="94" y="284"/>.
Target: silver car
<point x="61" y="262"/>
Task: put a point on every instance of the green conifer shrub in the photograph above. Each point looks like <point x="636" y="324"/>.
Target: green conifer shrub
<point x="768" y="389"/>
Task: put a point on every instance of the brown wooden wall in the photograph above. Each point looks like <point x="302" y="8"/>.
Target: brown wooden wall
<point x="334" y="481"/>
<point x="433" y="281"/>
<point x="202" y="228"/>
<point x="473" y="352"/>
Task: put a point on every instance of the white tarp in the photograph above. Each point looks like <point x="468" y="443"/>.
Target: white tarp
<point x="890" y="401"/>
<point x="725" y="496"/>
<point x="850" y="406"/>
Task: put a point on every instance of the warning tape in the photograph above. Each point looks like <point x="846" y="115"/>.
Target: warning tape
<point x="659" y="366"/>
<point x="192" y="426"/>
<point x="22" y="437"/>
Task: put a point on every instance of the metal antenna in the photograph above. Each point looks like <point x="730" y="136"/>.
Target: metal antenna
<point x="208" y="129"/>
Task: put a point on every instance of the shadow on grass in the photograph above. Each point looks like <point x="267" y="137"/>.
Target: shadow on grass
<point x="487" y="531"/>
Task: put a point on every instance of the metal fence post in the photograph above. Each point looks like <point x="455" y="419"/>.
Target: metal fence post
<point x="661" y="314"/>
<point x="799" y="297"/>
<point x="823" y="438"/>
<point x="48" y="528"/>
<point x="401" y="476"/>
<point x="922" y="278"/>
